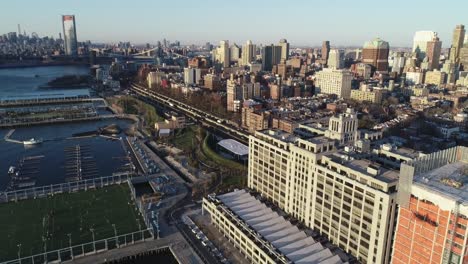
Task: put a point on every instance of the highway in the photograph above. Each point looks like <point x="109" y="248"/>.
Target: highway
<point x="203" y="117"/>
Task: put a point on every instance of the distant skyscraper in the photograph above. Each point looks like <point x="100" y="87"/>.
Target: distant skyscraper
<point x="325" y="51"/>
<point x="69" y="33"/>
<point x="223" y="53"/>
<point x="457" y="43"/>
<point x="375" y="53"/>
<point x="283" y="43"/>
<point x="248" y="53"/>
<point x="335" y="59"/>
<point x="234" y="53"/>
<point x="420" y="42"/>
<point x="434" y="48"/>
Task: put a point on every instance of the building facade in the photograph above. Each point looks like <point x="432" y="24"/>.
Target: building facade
<point x="351" y="201"/>
<point x="330" y="81"/>
<point x="69" y="34"/>
<point x="433" y="209"/>
<point x="375" y="53"/>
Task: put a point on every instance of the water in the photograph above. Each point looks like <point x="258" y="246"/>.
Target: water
<point x="23" y="80"/>
<point x="56" y="137"/>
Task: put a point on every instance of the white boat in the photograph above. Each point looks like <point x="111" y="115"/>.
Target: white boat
<point x="32" y="141"/>
<point x="12" y="170"/>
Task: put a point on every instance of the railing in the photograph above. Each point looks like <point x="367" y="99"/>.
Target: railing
<point x="68" y="187"/>
<point x="76" y="251"/>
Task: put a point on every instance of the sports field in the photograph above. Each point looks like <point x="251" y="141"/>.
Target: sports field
<point x="28" y="222"/>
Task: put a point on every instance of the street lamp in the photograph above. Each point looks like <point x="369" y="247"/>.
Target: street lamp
<point x="94" y="243"/>
<point x="70" y="244"/>
<point x="19" y="252"/>
<point x="115" y="233"/>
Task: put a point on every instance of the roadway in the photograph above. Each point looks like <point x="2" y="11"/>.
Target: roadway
<point x="201" y="116"/>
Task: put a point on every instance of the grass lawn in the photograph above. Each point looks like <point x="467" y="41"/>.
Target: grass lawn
<point x="27" y="221"/>
<point x="184" y="138"/>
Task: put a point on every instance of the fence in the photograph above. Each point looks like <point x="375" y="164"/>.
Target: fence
<point x="144" y="212"/>
<point x="70" y="253"/>
<point x="68" y="187"/>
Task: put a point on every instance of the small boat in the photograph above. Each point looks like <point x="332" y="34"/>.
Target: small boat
<point x="37" y="76"/>
<point x="32" y="141"/>
<point x="12" y="170"/>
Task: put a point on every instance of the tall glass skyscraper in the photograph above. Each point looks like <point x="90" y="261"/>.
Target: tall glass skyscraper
<point x="69" y="33"/>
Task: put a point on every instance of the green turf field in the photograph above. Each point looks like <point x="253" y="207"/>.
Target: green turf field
<point x="28" y="221"/>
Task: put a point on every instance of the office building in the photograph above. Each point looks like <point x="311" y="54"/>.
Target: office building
<point x="434" y="48"/>
<point x="414" y="77"/>
<point x="375" y="53"/>
<point x="463" y="57"/>
<point x="271" y="55"/>
<point x="192" y="76"/>
<point x="212" y="82"/>
<point x="335" y="59"/>
<point x="325" y="51"/>
<point x="248" y="53"/>
<point x="457" y="43"/>
<point x="69" y="34"/>
<point x="283" y="43"/>
<point x="361" y="70"/>
<point x="435" y="77"/>
<point x="365" y="93"/>
<point x="420" y="40"/>
<point x="222" y="53"/>
<point x="235" y="53"/>
<point x="433" y="209"/>
<point x="234" y="95"/>
<point x="331" y="81"/>
<point x="350" y="200"/>
<point x="263" y="235"/>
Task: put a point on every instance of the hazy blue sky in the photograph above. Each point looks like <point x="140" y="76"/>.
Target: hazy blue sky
<point x="301" y="22"/>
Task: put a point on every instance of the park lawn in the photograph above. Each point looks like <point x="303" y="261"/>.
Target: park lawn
<point x="26" y="222"/>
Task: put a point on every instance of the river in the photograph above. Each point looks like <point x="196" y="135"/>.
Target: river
<point x="51" y="168"/>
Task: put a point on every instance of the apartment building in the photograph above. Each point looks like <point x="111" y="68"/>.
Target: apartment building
<point x="347" y="198"/>
<point x="433" y="209"/>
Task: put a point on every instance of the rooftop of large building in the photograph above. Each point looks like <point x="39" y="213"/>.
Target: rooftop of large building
<point x="292" y="244"/>
<point x="376" y="43"/>
<point x="449" y="180"/>
<point x="355" y="162"/>
<point x="442" y="174"/>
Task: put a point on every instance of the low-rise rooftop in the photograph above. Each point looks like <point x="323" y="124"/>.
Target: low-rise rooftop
<point x="289" y="240"/>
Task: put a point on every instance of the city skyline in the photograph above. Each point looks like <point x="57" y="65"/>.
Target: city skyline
<point x="352" y="25"/>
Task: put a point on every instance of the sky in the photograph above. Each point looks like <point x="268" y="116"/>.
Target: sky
<point x="301" y="22"/>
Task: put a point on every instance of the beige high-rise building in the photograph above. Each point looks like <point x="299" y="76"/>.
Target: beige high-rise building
<point x="457" y="43"/>
<point x="222" y="53"/>
<point x="234" y="53"/>
<point x="283" y="43"/>
<point x="330" y="81"/>
<point x="350" y="200"/>
<point x="234" y="95"/>
<point x="335" y="59"/>
<point x="435" y="77"/>
<point x="248" y="53"/>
